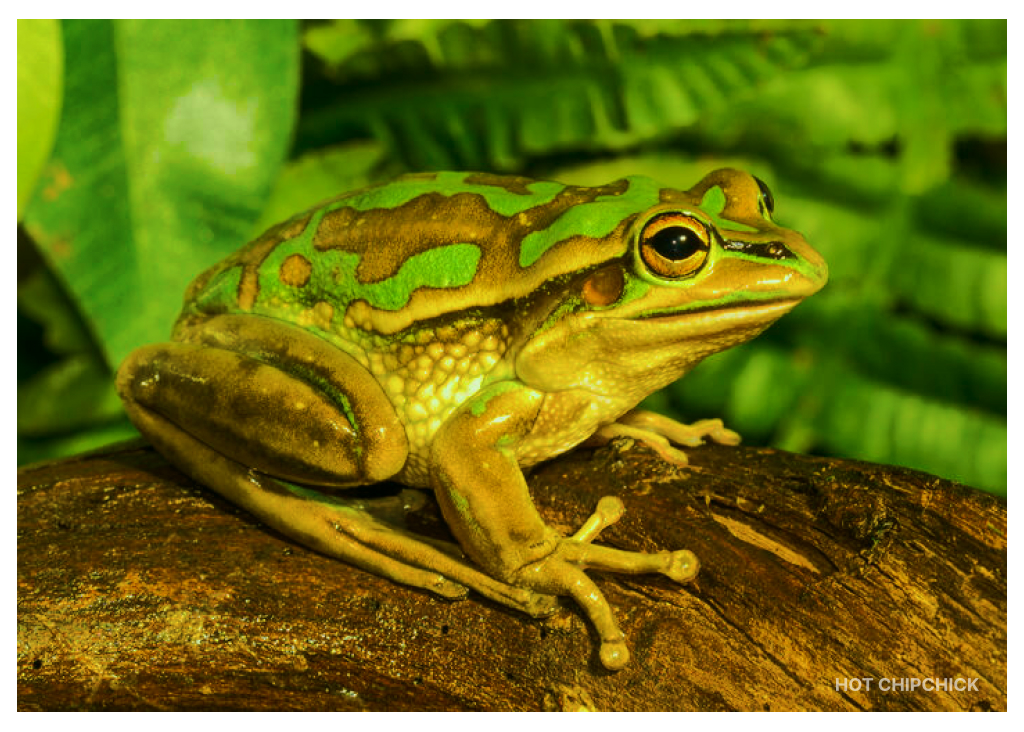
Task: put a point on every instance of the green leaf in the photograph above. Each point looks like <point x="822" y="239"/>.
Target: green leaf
<point x="40" y="76"/>
<point x="487" y="94"/>
<point x="75" y="393"/>
<point x="872" y="421"/>
<point x="904" y="88"/>
<point x="315" y="177"/>
<point x="33" y="449"/>
<point x="41" y="299"/>
<point x="954" y="282"/>
<point x="172" y="134"/>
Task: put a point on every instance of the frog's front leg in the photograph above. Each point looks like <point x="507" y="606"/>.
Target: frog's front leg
<point x="660" y="432"/>
<point x="486" y="502"/>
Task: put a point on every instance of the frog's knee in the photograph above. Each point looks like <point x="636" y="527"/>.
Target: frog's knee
<point x="133" y="369"/>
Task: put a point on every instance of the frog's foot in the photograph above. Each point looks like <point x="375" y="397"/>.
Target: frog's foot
<point x="687" y="435"/>
<point x="681" y="566"/>
<point x="659" y="433"/>
<point x="440" y="562"/>
<point x="656" y="442"/>
<point x="562" y="573"/>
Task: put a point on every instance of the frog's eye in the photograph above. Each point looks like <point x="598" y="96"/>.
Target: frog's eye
<point x="767" y="199"/>
<point x="674" y="245"/>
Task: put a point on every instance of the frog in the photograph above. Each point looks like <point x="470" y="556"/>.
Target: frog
<point x="450" y="331"/>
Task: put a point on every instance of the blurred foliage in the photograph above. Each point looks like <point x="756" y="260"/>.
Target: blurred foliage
<point x="884" y="141"/>
<point x="40" y="69"/>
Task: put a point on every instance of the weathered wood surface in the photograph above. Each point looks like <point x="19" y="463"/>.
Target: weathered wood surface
<point x="138" y="589"/>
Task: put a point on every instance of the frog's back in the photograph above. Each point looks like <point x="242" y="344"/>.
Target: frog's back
<point x="422" y="246"/>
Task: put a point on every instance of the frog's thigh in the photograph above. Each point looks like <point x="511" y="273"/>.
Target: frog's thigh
<point x="271" y="397"/>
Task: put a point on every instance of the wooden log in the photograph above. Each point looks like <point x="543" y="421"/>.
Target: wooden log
<point x="138" y="589"/>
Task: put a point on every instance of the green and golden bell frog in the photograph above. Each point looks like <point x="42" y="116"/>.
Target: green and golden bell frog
<point x="446" y="331"/>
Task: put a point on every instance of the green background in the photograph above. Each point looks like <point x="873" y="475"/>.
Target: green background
<point x="147" y="150"/>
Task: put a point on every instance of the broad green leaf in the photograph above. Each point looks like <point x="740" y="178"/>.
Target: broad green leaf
<point x="40" y="75"/>
<point x="75" y="393"/>
<point x="32" y="449"/>
<point x="172" y="134"/>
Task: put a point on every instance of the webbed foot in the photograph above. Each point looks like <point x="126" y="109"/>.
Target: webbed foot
<point x="660" y="433"/>
<point x="562" y="573"/>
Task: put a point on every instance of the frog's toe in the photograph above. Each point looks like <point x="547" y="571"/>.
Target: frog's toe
<point x="609" y="510"/>
<point x="541" y="606"/>
<point x="725" y="436"/>
<point x="614" y="654"/>
<point x="448" y="589"/>
<point x="672" y="455"/>
<point x="683" y="566"/>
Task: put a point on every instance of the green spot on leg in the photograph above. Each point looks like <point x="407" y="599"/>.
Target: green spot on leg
<point x="479" y="404"/>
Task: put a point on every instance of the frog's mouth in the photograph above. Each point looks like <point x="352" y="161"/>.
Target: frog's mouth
<point x="715" y="319"/>
<point x="768" y="309"/>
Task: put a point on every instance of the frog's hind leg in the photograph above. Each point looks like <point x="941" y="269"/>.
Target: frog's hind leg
<point x="336" y="527"/>
<point x="223" y="411"/>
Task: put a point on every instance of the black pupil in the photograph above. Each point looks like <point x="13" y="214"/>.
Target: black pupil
<point x="766" y="196"/>
<point x="676" y="243"/>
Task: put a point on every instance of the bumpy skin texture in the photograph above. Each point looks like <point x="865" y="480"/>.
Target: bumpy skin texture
<point x="446" y="330"/>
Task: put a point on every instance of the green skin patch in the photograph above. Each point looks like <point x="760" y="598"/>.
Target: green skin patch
<point x="333" y="277"/>
<point x="479" y="403"/>
<point x="596" y="219"/>
<point x="332" y="273"/>
<point x="713" y="204"/>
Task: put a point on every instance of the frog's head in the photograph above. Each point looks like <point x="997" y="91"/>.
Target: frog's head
<point x="702" y="270"/>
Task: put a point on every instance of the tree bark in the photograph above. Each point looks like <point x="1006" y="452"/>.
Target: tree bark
<point x="825" y="585"/>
